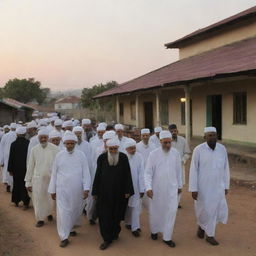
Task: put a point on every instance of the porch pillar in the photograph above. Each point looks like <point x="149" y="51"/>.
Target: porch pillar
<point x="137" y="111"/>
<point x="187" y="113"/>
<point x="117" y="110"/>
<point x="157" y="110"/>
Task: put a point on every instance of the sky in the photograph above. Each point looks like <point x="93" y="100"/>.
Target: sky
<point x="72" y="44"/>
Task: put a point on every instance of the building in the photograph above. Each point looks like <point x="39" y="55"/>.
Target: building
<point x="67" y="103"/>
<point x="212" y="84"/>
<point x="13" y="111"/>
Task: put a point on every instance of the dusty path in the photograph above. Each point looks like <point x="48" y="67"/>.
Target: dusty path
<point x="18" y="236"/>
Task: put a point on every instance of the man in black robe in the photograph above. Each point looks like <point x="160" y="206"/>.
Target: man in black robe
<point x="17" y="166"/>
<point x="111" y="188"/>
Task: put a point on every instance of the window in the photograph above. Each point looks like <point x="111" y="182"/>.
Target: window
<point x="240" y="108"/>
<point x="182" y="111"/>
<point x="121" y="109"/>
<point x="164" y="116"/>
<point x="133" y="110"/>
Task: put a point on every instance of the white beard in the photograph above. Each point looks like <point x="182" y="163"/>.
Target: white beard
<point x="113" y="159"/>
<point x="44" y="145"/>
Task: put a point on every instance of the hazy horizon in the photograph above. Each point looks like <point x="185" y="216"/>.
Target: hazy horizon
<point x="76" y="44"/>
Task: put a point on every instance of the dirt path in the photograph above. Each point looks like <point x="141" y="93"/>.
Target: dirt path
<point x="19" y="237"/>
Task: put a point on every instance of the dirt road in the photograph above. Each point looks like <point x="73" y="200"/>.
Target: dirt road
<point x="19" y="236"/>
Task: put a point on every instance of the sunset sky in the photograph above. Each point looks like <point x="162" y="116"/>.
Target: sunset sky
<point x="69" y="44"/>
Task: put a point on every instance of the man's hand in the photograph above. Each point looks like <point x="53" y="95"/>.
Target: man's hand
<point x="127" y="196"/>
<point x="226" y="191"/>
<point x="179" y="190"/>
<point x="141" y="195"/>
<point x="53" y="196"/>
<point x="194" y="195"/>
<point x="29" y="189"/>
<point x="150" y="194"/>
<point x="86" y="193"/>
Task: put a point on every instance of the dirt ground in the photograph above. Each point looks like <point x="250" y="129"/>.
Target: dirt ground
<point x="20" y="237"/>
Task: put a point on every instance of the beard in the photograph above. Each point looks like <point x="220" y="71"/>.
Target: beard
<point x="44" y="144"/>
<point x="113" y="159"/>
<point x="166" y="150"/>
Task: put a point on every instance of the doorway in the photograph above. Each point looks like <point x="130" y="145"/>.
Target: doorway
<point x="148" y="115"/>
<point x="214" y="113"/>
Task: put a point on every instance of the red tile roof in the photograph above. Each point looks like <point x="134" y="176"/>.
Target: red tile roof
<point x="68" y="99"/>
<point x="226" y="60"/>
<point x="235" y="19"/>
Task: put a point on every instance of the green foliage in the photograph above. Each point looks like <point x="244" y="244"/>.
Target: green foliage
<point x="88" y="94"/>
<point x="25" y="90"/>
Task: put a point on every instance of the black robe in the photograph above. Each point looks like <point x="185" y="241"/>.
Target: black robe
<point x="110" y="185"/>
<point x="17" y="165"/>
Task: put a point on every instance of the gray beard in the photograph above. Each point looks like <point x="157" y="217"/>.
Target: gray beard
<point x="113" y="159"/>
<point x="44" y="145"/>
<point x="166" y="150"/>
<point x="130" y="156"/>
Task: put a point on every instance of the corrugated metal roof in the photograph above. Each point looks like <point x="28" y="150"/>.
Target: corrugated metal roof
<point x="229" y="59"/>
<point x="249" y="13"/>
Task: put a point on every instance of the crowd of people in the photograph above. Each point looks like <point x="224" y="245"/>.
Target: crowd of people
<point x="108" y="175"/>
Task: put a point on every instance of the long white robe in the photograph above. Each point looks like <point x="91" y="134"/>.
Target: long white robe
<point x="122" y="144"/>
<point x="38" y="177"/>
<point x="145" y="150"/>
<point x="32" y="143"/>
<point x="209" y="176"/>
<point x="164" y="177"/>
<point x="155" y="140"/>
<point x="132" y="216"/>
<point x="70" y="177"/>
<point x="85" y="147"/>
<point x="6" y="142"/>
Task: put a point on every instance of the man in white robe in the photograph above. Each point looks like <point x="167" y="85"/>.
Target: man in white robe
<point x="144" y="146"/>
<point x="38" y="176"/>
<point x="55" y="137"/>
<point x="180" y="143"/>
<point x="69" y="186"/>
<point x="97" y="140"/>
<point x="155" y="137"/>
<point x="88" y="129"/>
<point x="132" y="216"/>
<point x="163" y="181"/>
<point x="6" y="142"/>
<point x="119" y="128"/>
<point x="209" y="183"/>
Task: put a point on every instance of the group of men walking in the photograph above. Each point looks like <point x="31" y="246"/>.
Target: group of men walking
<point x="110" y="177"/>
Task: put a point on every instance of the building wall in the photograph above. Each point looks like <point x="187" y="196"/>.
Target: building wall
<point x="216" y="41"/>
<point x="61" y="106"/>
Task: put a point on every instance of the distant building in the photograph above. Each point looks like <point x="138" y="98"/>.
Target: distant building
<point x="67" y="103"/>
<point x="212" y="84"/>
<point x="13" y="111"/>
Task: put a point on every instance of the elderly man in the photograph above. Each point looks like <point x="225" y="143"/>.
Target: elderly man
<point x="155" y="137"/>
<point x="69" y="186"/>
<point x="68" y="125"/>
<point x="209" y="183"/>
<point x="163" y="181"/>
<point x="17" y="167"/>
<point x="31" y="129"/>
<point x="97" y="140"/>
<point x="6" y="142"/>
<point x="112" y="188"/>
<point x="119" y="128"/>
<point x="38" y="176"/>
<point x="180" y="143"/>
<point x="88" y="130"/>
<point x="132" y="216"/>
<point x="144" y="146"/>
<point x="58" y="125"/>
<point x="55" y="137"/>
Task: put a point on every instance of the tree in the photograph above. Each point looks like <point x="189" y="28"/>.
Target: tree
<point x="88" y="94"/>
<point x="25" y="90"/>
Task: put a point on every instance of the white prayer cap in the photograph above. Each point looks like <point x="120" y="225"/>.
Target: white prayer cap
<point x="68" y="135"/>
<point x="47" y="120"/>
<point x="109" y="135"/>
<point x="119" y="127"/>
<point x="209" y="129"/>
<point x="158" y="129"/>
<point x="145" y="131"/>
<point x="43" y="131"/>
<point x="34" y="114"/>
<point x="86" y="121"/>
<point x="6" y="126"/>
<point x="54" y="134"/>
<point x="58" y="122"/>
<point x="113" y="142"/>
<point x="130" y="143"/>
<point x="76" y="122"/>
<point x="21" y="130"/>
<point x="32" y="124"/>
<point x="165" y="135"/>
<point x="42" y="122"/>
<point x="101" y="127"/>
<point x="13" y="126"/>
<point x="78" y="129"/>
<point x="68" y="123"/>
